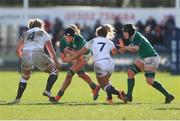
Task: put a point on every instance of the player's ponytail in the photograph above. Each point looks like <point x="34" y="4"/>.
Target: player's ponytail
<point x="110" y="31"/>
<point x="75" y="27"/>
<point x="106" y="31"/>
<point x="35" y="23"/>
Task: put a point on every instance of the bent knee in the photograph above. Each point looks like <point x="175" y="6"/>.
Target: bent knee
<point x="133" y="70"/>
<point x="81" y="74"/>
<point x="26" y="76"/>
<point x="54" y="71"/>
<point x="150" y="81"/>
<point x="130" y="73"/>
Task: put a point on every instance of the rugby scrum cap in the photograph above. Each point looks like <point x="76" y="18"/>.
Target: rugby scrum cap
<point x="129" y="28"/>
<point x="69" y="32"/>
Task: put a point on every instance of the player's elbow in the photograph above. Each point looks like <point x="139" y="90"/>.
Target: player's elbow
<point x="17" y="51"/>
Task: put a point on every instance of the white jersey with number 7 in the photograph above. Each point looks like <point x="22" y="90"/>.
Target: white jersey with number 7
<point x="101" y="48"/>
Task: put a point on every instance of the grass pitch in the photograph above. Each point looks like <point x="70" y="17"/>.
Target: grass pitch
<point x="77" y="101"/>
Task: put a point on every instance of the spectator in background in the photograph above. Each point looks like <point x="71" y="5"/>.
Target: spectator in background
<point x="140" y="26"/>
<point x="22" y="29"/>
<point x="86" y="32"/>
<point x="118" y="27"/>
<point x="151" y="22"/>
<point x="97" y="24"/>
<point x="47" y="26"/>
<point x="159" y="41"/>
<point x="149" y="35"/>
<point x="0" y="44"/>
<point x="171" y="22"/>
<point x="168" y="25"/>
<point x="58" y="26"/>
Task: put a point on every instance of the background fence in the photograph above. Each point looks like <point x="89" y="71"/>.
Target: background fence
<point x="159" y="24"/>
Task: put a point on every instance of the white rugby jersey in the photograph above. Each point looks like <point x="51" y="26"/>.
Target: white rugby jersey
<point x="35" y="38"/>
<point x="100" y="47"/>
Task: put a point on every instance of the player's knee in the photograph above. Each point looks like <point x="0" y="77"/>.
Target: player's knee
<point x="71" y="72"/>
<point x="26" y="76"/>
<point x="70" y="75"/>
<point x="149" y="77"/>
<point x="54" y="71"/>
<point x="149" y="74"/>
<point x="130" y="73"/>
<point x="150" y="81"/>
<point x="106" y="87"/>
<point x="133" y="70"/>
<point x="81" y="74"/>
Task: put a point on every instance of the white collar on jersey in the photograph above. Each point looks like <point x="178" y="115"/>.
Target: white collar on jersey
<point x="133" y="36"/>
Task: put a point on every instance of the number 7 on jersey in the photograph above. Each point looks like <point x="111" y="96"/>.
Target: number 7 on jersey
<point x="102" y="45"/>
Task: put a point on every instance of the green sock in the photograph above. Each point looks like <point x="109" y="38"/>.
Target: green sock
<point x="93" y="85"/>
<point x="160" y="88"/>
<point x="131" y="83"/>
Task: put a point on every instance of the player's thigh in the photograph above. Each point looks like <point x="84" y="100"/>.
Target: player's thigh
<point x="104" y="67"/>
<point x="50" y="68"/>
<point x="103" y="80"/>
<point x="43" y="62"/>
<point x="139" y="63"/>
<point x="78" y="65"/>
<point x="26" y="61"/>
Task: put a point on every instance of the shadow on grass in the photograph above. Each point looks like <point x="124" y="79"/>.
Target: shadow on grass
<point x="71" y="103"/>
<point x="166" y="108"/>
<point x="63" y="103"/>
<point x="2" y="101"/>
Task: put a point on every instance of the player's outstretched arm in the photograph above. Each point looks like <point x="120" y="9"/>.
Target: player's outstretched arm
<point x="81" y="52"/>
<point x="52" y="53"/>
<point x="114" y="51"/>
<point x="19" y="48"/>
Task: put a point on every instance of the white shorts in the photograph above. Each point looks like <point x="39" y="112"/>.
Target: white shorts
<point x="35" y="58"/>
<point x="151" y="61"/>
<point x="104" y="67"/>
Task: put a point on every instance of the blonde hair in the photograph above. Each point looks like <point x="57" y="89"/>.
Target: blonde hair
<point x="76" y="29"/>
<point x="35" y="23"/>
<point x="106" y="30"/>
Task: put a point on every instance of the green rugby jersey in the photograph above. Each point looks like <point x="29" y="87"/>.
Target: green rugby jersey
<point x="145" y="47"/>
<point x="77" y="43"/>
